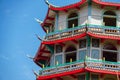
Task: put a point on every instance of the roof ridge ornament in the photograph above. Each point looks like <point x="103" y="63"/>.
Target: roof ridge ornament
<point x="49" y="4"/>
<point x="29" y="56"/>
<point x="39" y="37"/>
<point x="35" y="73"/>
<point x="39" y="21"/>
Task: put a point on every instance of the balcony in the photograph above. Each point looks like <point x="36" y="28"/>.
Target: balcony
<point x="110" y="30"/>
<point x="88" y="63"/>
<point x="62" y="68"/>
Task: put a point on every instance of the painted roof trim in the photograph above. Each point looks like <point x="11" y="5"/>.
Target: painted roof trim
<point x="104" y="36"/>
<point x="65" y="39"/>
<point x="35" y="58"/>
<point x="68" y="6"/>
<point x="60" y="74"/>
<point x="107" y="3"/>
<point x="43" y="24"/>
<point x="47" y="77"/>
<point x="103" y="71"/>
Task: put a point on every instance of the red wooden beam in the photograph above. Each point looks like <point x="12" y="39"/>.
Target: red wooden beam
<point x="42" y="58"/>
<point x="59" y="78"/>
<point x="102" y="40"/>
<point x="65" y="10"/>
<point x="43" y="47"/>
<point x="102" y="75"/>
<point x="46" y="24"/>
<point x="76" y="42"/>
<point x="118" y="7"/>
<point x="118" y="42"/>
<point x="102" y="6"/>
<point x="73" y="76"/>
<point x="44" y="51"/>
<point x="50" y="18"/>
<point x="62" y="44"/>
<point x="77" y="7"/>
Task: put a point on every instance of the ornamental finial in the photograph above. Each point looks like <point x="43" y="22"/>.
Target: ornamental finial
<point x="48" y="3"/>
<point x="36" y="74"/>
<point x="29" y="56"/>
<point x="39" y="21"/>
<point x="39" y="37"/>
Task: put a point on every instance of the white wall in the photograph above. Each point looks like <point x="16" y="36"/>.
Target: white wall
<point x="96" y="17"/>
<point x="83" y="15"/>
<point x="97" y="14"/>
<point x="62" y="20"/>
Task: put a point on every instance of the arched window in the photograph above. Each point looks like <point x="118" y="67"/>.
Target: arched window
<point x="72" y="20"/>
<point x="70" y="54"/>
<point x="110" y="53"/>
<point x="109" y="18"/>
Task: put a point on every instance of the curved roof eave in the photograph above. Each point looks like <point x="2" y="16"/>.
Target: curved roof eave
<point x="51" y="7"/>
<point x="68" y="6"/>
<point x="35" y="58"/>
<point x="107" y="3"/>
<point x="45" y="19"/>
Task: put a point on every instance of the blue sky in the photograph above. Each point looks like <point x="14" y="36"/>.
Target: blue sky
<point x="17" y="36"/>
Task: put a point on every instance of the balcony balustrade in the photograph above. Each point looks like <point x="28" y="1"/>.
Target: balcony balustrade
<point x="104" y="65"/>
<point x="62" y="68"/>
<point x="81" y="29"/>
<point x="88" y="63"/>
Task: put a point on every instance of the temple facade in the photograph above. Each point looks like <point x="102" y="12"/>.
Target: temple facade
<point x="82" y="42"/>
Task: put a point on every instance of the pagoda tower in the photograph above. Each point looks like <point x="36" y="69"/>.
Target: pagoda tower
<point x="82" y="42"/>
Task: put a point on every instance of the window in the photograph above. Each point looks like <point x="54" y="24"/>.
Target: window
<point x="82" y="54"/>
<point x="95" y="42"/>
<point x="70" y="54"/>
<point x="72" y="20"/>
<point x="109" y="18"/>
<point x="58" y="59"/>
<point x="110" y="52"/>
<point x="52" y="61"/>
<point x="82" y="43"/>
<point x="95" y="54"/>
<point x="58" y="48"/>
